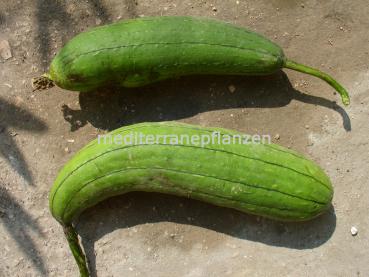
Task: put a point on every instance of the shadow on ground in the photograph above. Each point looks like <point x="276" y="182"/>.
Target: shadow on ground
<point x="2" y="18"/>
<point x="18" y="223"/>
<point x="100" y="11"/>
<point x="53" y="15"/>
<point x="132" y="8"/>
<point x="185" y="97"/>
<point x="137" y="208"/>
<point x="14" y="218"/>
<point x="12" y="118"/>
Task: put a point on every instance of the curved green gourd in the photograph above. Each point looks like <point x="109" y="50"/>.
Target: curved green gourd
<point x="261" y="179"/>
<point x="142" y="51"/>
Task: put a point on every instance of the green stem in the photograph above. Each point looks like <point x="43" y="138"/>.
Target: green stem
<point x="75" y="247"/>
<point x="324" y="76"/>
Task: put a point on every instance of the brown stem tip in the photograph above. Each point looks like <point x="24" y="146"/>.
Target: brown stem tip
<point x="42" y="83"/>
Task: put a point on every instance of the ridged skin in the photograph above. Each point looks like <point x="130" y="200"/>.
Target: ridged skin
<point x="141" y="51"/>
<point x="261" y="179"/>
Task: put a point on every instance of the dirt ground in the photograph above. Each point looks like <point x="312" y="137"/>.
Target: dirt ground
<point x="157" y="235"/>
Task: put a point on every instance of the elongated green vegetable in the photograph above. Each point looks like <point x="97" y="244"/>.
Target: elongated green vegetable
<point x="142" y="51"/>
<point x="209" y="164"/>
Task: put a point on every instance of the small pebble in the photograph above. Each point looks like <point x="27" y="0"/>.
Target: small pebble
<point x="215" y="9"/>
<point x="307" y="126"/>
<point x="236" y="254"/>
<point x="231" y="88"/>
<point x="5" y="51"/>
<point x="277" y="137"/>
<point x="354" y="231"/>
<point x="13" y="133"/>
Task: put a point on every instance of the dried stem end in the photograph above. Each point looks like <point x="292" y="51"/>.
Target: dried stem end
<point x="42" y="83"/>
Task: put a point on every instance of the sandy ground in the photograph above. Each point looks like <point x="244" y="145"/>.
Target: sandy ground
<point x="156" y="235"/>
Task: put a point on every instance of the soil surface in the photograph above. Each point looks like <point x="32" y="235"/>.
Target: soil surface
<point x="141" y="234"/>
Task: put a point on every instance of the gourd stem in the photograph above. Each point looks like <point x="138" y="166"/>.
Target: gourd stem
<point x="75" y="247"/>
<point x="324" y="76"/>
<point x="42" y="82"/>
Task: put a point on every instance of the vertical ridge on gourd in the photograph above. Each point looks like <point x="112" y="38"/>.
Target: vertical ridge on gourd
<point x="142" y="51"/>
<point x="261" y="179"/>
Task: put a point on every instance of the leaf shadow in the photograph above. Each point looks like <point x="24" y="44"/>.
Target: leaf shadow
<point x="100" y="11"/>
<point x="13" y="117"/>
<point x="52" y="15"/>
<point x="111" y="108"/>
<point x="2" y="18"/>
<point x="132" y="8"/>
<point x="18" y="223"/>
<point x="138" y="208"/>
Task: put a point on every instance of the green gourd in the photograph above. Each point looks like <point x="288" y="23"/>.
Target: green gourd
<point x="142" y="51"/>
<point x="228" y="170"/>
